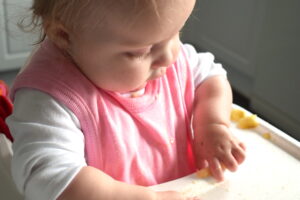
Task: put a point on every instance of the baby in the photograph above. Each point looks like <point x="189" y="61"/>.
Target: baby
<point x="111" y="102"/>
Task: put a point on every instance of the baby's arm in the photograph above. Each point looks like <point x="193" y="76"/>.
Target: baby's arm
<point x="91" y="183"/>
<point x="214" y="144"/>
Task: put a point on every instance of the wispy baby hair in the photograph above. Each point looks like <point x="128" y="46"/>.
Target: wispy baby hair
<point x="47" y="13"/>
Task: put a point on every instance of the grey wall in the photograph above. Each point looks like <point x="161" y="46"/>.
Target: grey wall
<point x="258" y="41"/>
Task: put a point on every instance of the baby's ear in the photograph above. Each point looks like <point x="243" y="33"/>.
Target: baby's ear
<point x="58" y="34"/>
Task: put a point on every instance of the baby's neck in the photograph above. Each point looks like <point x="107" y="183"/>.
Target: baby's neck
<point x="134" y="94"/>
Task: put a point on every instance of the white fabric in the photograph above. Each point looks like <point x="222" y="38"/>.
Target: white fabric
<point x="49" y="147"/>
<point x="8" y="189"/>
<point x="202" y="64"/>
<point x="5" y="154"/>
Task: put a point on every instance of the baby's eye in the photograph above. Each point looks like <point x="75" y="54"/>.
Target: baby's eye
<point x="139" y="54"/>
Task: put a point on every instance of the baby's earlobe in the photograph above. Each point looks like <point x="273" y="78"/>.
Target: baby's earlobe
<point x="63" y="39"/>
<point x="58" y="34"/>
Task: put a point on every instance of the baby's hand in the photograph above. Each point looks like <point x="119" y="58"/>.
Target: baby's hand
<point x="171" y="195"/>
<point x="215" y="145"/>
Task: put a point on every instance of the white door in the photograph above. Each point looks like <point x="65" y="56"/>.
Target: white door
<point x="15" y="44"/>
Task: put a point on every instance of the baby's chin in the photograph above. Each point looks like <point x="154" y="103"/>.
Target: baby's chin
<point x="139" y="87"/>
<point x="157" y="74"/>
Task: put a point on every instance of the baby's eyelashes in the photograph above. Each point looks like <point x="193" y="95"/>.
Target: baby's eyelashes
<point x="138" y="55"/>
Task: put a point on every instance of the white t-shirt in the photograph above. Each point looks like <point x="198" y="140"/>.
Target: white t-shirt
<point x="49" y="144"/>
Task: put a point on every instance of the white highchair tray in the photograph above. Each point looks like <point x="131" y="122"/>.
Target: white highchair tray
<point x="270" y="171"/>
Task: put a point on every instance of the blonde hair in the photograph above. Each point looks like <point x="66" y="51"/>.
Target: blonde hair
<point x="48" y="12"/>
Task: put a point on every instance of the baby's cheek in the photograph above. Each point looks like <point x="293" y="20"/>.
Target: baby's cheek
<point x="176" y="50"/>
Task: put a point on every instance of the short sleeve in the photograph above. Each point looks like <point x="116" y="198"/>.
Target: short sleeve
<point x="202" y="65"/>
<point x="48" y="148"/>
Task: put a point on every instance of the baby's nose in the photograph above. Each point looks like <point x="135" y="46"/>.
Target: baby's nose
<point x="165" y="58"/>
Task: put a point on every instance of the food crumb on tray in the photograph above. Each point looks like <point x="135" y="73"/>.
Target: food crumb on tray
<point x="266" y="136"/>
<point x="248" y="122"/>
<point x="205" y="172"/>
<point x="237" y="114"/>
<point x="243" y="121"/>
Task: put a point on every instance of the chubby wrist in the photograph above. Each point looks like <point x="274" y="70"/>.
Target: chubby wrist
<point x="209" y="127"/>
<point x="213" y="102"/>
<point x="202" y="120"/>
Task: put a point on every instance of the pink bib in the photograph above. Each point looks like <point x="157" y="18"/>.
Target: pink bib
<point x="143" y="140"/>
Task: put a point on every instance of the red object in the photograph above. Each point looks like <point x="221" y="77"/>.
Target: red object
<point x="6" y="108"/>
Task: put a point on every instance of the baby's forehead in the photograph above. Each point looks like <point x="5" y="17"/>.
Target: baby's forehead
<point x="95" y="12"/>
<point x="127" y="6"/>
<point x="139" y="26"/>
<point x="98" y="13"/>
<point x="152" y="24"/>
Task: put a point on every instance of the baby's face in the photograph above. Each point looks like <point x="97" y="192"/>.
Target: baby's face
<point x="123" y="54"/>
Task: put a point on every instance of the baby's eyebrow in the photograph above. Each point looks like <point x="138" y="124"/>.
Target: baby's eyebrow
<point x="147" y="48"/>
<point x="135" y="47"/>
<point x="142" y="44"/>
<point x="135" y="44"/>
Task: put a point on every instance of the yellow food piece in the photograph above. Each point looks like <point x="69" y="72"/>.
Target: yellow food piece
<point x="266" y="136"/>
<point x="248" y="122"/>
<point x="237" y="114"/>
<point x="205" y="172"/>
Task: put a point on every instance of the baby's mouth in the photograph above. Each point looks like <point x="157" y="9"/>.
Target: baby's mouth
<point x="158" y="73"/>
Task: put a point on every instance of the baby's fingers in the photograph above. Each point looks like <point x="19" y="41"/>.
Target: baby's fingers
<point x="233" y="157"/>
<point x="201" y="163"/>
<point x="242" y="145"/>
<point x="216" y="169"/>
<point x="230" y="162"/>
<point x="239" y="154"/>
